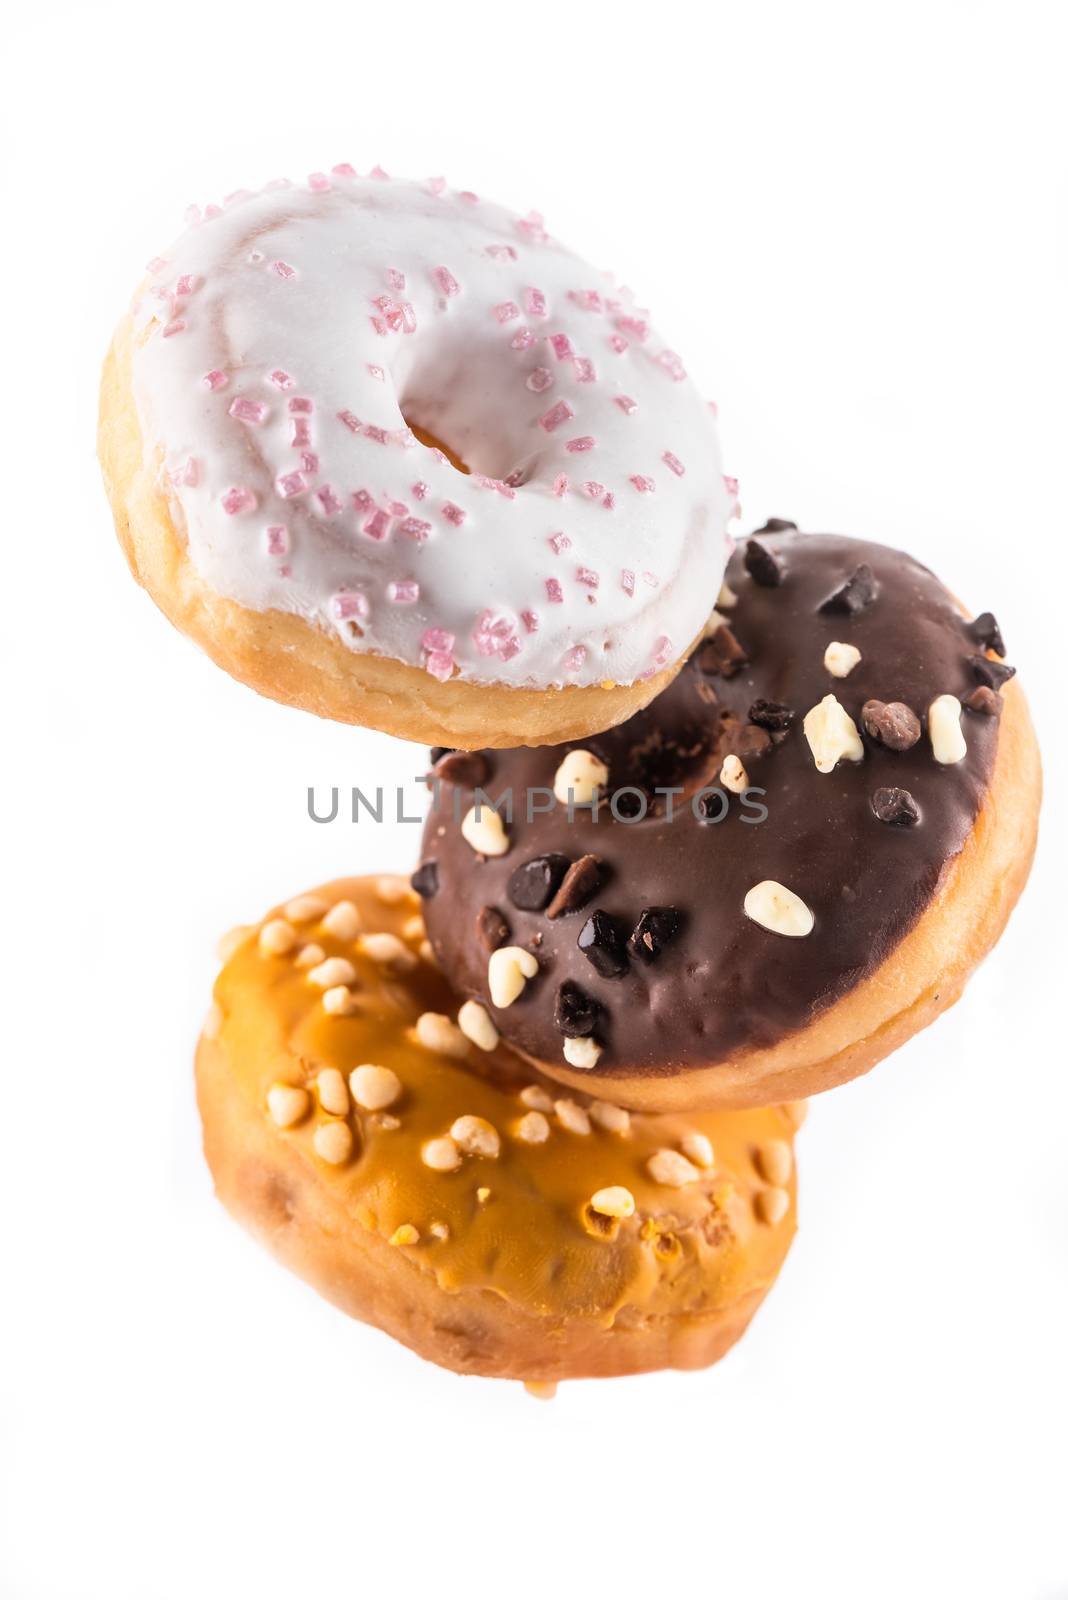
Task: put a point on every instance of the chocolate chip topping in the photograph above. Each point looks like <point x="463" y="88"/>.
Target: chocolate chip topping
<point x="721" y="654"/>
<point x="985" y="631"/>
<point x="725" y="984"/>
<point x="425" y="880"/>
<point x="656" y="927"/>
<point x="492" y="927"/>
<point x="895" y="806"/>
<point x="776" y="525"/>
<point x="771" y="714"/>
<point x="467" y="768"/>
<point x="895" y="725"/>
<point x="992" y="673"/>
<point x="580" y="883"/>
<point x="985" y="701"/>
<point x="575" y="1013"/>
<point x="762" y="565"/>
<point x="602" y="943"/>
<point x="858" y="592"/>
<point x="532" y="886"/>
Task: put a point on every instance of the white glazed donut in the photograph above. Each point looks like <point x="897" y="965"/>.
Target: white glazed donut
<point x="288" y="344"/>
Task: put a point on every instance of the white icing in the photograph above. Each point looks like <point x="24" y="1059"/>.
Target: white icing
<point x="460" y="377"/>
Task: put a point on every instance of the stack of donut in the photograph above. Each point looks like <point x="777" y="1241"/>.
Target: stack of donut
<point x="713" y="824"/>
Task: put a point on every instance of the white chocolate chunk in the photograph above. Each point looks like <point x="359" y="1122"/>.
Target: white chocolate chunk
<point x="342" y="920"/>
<point x="532" y="1129"/>
<point x="374" y="1088"/>
<point x="305" y="908"/>
<point x="536" y="1098"/>
<point x="582" y="1053"/>
<point x="671" y="1169"/>
<point x="778" y="909"/>
<point x="437" y="1032"/>
<point x="340" y="1001"/>
<point x="509" y="969"/>
<point x="477" y="1024"/>
<point x="286" y="1103"/>
<point x="944" y="730"/>
<point x="476" y="1137"/>
<point x="733" y="776"/>
<point x="442" y="1155"/>
<point x="485" y="832"/>
<point x="614" y="1119"/>
<point x="387" y="951"/>
<point x="329" y="973"/>
<point x="572" y="1116"/>
<point x="277" y="937"/>
<point x="832" y="735"/>
<point x="578" y="777"/>
<point x="840" y="659"/>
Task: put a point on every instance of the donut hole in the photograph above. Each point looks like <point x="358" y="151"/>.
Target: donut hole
<point x="465" y="407"/>
<point x="432" y="442"/>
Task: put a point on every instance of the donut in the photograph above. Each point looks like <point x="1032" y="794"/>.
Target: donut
<point x="374" y="1136"/>
<point x="390" y="453"/>
<point x="797" y="855"/>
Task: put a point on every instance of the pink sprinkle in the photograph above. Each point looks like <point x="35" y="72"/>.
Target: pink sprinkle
<point x="329" y="501"/>
<point x="662" y="650"/>
<point x="588" y="299"/>
<point x="445" y="281"/>
<point x="436" y="185"/>
<point x="377" y="524"/>
<point x="594" y="489"/>
<point x="277" y="540"/>
<point x="177" y="326"/>
<point x="651" y="579"/>
<point x="405" y="592"/>
<point x="282" y="269"/>
<point x="379" y="325"/>
<point x="535" y="302"/>
<point x="618" y="344"/>
<point x="188" y="283"/>
<point x="530" y="620"/>
<point x="215" y="379"/>
<point x="156" y="264"/>
<point x="379" y="435"/>
<point x="730" y="484"/>
<point x="318" y="182"/>
<point x="609" y="501"/>
<point x="576" y="446"/>
<point x="533" y="226"/>
<point x="540" y="380"/>
<point x="502" y="252"/>
<point x="439" y="665"/>
<point x="391" y="311"/>
<point x="189" y="474"/>
<point x="635" y="326"/>
<point x="395" y="279"/>
<point x="587" y="576"/>
<point x="352" y="423"/>
<point x="379" y="172"/>
<point x="376" y="372"/>
<point x="438" y="639"/>
<point x="562" y="348"/>
<point x="585" y="371"/>
<point x="560" y="485"/>
<point x="574" y="658"/>
<point x="362" y="500"/>
<point x="351" y="603"/>
<point x="626" y="404"/>
<point x="523" y="339"/>
<point x="554" y="592"/>
<point x="414" y="528"/>
<point x="713" y="406"/>
<point x="420" y="490"/>
<point x="558" y="542"/>
<point x="300" y="436"/>
<point x="290" y="484"/>
<point x="397" y="507"/>
<point x="507" y="311"/>
<point x="246" y="410"/>
<point x="281" y="380"/>
<point x="671" y="460"/>
<point x="626" y="578"/>
<point x="469" y="196"/>
<point x="561" y="412"/>
<point x="309" y="462"/>
<point x="454" y="514"/>
<point x="212" y="211"/>
<point x="672" y="365"/>
<point x="408" y="313"/>
<point x="301" y="405"/>
<point x="643" y="484"/>
<point x="235" y="501"/>
<point x="344" y="169"/>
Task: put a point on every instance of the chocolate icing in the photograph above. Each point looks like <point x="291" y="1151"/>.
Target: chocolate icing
<point x="723" y="983"/>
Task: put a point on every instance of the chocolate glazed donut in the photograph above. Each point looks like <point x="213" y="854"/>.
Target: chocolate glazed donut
<point x="723" y="931"/>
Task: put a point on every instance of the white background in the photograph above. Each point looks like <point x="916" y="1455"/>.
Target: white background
<point x="851" y="220"/>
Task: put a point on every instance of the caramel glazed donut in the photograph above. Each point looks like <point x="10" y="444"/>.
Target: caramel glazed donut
<point x="704" y="957"/>
<point x="271" y="419"/>
<point x="425" y="1181"/>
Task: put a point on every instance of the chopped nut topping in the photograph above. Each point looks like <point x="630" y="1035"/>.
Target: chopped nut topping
<point x="532" y="1129"/>
<point x="333" y="1095"/>
<point x="832" y="735"/>
<point x="374" y="1088"/>
<point x="778" y="909"/>
<point x="476" y="1024"/>
<point x="485" y="832"/>
<point x="614" y="1119"/>
<point x="582" y="1053"/>
<point x="407" y="1233"/>
<point x="697" y="1147"/>
<point x="895" y="725"/>
<point x="536" y="1098"/>
<point x="774" y="1161"/>
<point x="476" y="1137"/>
<point x="387" y="950"/>
<point x="509" y="969"/>
<point x="329" y="973"/>
<point x="437" y="1032"/>
<point x="763" y="565"/>
<point x="482" y="1195"/>
<point x="414" y="929"/>
<point x="772" y="1205"/>
<point x="305" y="908"/>
<point x="944" y="730"/>
<point x="840" y="659"/>
<point x="386" y="1121"/>
<point x="333" y="1142"/>
<point x="572" y="1116"/>
<point x="578" y="778"/>
<point x="340" y="1002"/>
<point x="439" y="1230"/>
<point x="671" y="1169"/>
<point x="615" y="1201"/>
<point x="985" y="701"/>
<point x="579" y="884"/>
<point x="733" y="776"/>
<point x="310" y="955"/>
<point x="277" y="937"/>
<point x="391" y="890"/>
<point x="442" y="1155"/>
<point x="286" y="1103"/>
<point x="342" y="920"/>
